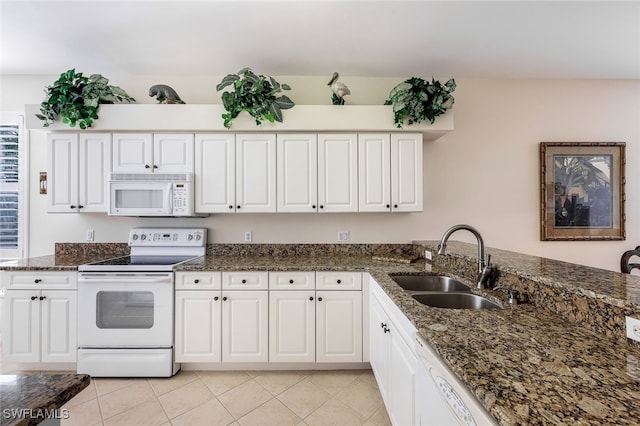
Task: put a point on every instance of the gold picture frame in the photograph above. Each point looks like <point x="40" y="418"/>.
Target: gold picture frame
<point x="582" y="191"/>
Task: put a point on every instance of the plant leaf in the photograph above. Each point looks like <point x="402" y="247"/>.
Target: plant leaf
<point x="284" y="102"/>
<point x="275" y="112"/>
<point x="227" y="80"/>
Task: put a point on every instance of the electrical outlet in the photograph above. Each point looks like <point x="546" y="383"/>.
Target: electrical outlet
<point x="427" y="254"/>
<point x="90" y="234"/>
<point x="633" y="328"/>
<point x="343" y="236"/>
<point x="248" y="237"/>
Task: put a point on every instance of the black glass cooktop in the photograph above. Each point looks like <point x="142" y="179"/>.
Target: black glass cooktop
<point x="136" y="262"/>
<point x="143" y="260"/>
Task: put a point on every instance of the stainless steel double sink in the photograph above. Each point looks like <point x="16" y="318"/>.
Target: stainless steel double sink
<point x="440" y="291"/>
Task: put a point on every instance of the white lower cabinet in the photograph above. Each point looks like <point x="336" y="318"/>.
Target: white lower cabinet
<point x="269" y="317"/>
<point x="245" y="329"/>
<point x="322" y="325"/>
<point x="39" y="317"/>
<point x="214" y="324"/>
<point x="392" y="357"/>
<point x="339" y="326"/>
<point x="292" y="321"/>
<point x="198" y="326"/>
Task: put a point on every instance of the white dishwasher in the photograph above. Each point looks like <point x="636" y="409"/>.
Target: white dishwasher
<point x="441" y="399"/>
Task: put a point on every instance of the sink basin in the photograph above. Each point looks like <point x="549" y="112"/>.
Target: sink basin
<point x="412" y="283"/>
<point x="455" y="300"/>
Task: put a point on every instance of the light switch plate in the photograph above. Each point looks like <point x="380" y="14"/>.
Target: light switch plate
<point x="633" y="328"/>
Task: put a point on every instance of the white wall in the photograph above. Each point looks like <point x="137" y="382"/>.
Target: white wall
<point x="485" y="173"/>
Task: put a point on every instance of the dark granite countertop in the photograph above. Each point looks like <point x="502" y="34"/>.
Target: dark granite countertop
<point x="558" y="359"/>
<point x="30" y="399"/>
<point x="528" y="366"/>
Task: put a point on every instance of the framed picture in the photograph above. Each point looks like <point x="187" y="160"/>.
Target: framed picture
<point x="582" y="191"/>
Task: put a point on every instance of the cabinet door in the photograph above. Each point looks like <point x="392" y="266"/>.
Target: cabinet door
<point x="173" y="153"/>
<point x="297" y="159"/>
<point x="245" y="326"/>
<point x="59" y="326"/>
<point x="406" y="172"/>
<point x="62" y="191"/>
<point x="337" y="173"/>
<point x="21" y="326"/>
<point x="379" y="347"/>
<point x="198" y="326"/>
<point x="339" y="326"/>
<point x="215" y="173"/>
<point x="292" y="321"/>
<point x="255" y="173"/>
<point x="95" y="165"/>
<point x="374" y="172"/>
<point x="402" y="385"/>
<point x="132" y="152"/>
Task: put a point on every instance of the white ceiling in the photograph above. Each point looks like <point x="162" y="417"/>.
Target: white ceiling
<point x="461" y="39"/>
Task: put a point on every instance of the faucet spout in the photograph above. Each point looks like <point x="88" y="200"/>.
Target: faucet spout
<point x="484" y="262"/>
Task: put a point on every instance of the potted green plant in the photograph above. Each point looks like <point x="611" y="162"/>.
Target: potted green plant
<point x="255" y="94"/>
<point x="76" y="99"/>
<point x="416" y="100"/>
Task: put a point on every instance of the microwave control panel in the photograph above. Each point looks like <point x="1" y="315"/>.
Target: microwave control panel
<point x="180" y="199"/>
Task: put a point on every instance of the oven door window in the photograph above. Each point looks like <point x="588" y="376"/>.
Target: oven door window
<point x="124" y="309"/>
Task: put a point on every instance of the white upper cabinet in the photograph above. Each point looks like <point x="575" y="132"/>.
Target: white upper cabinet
<point x="153" y="153"/>
<point x="390" y="172"/>
<point x="406" y="172"/>
<point x="173" y="153"/>
<point x="255" y="173"/>
<point x="78" y="167"/>
<point x="215" y="173"/>
<point x="374" y="167"/>
<point x="132" y="152"/>
<point x="235" y="173"/>
<point x="95" y="165"/>
<point x="297" y="157"/>
<point x="338" y="172"/>
<point x="317" y="172"/>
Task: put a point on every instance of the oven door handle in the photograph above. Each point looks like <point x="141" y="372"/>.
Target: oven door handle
<point x="128" y="278"/>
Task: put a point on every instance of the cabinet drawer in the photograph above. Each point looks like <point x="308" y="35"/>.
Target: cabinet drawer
<point x="245" y="280"/>
<point x="339" y="280"/>
<point x="27" y="280"/>
<point x="198" y="280"/>
<point x="292" y="280"/>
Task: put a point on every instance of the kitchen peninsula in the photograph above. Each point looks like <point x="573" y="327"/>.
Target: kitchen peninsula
<point x="31" y="399"/>
<point x="560" y="357"/>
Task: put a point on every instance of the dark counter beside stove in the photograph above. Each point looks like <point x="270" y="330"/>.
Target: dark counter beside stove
<point x="31" y="399"/>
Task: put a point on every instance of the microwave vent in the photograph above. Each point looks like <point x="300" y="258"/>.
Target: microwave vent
<point x="154" y="177"/>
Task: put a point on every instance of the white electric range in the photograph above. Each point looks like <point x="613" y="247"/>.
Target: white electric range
<point x="126" y="305"/>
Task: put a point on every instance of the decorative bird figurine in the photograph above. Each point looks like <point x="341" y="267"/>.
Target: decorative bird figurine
<point x="340" y="90"/>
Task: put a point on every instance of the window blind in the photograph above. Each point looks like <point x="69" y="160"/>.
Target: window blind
<point x="9" y="186"/>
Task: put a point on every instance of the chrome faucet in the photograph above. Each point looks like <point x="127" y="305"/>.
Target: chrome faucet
<point x="484" y="264"/>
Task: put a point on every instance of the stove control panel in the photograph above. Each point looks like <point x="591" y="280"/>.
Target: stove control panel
<point x="168" y="237"/>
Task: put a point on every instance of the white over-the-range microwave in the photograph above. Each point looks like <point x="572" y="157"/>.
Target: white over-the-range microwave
<point x="151" y="194"/>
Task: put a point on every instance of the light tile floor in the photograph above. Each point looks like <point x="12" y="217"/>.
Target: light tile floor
<point x="194" y="398"/>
